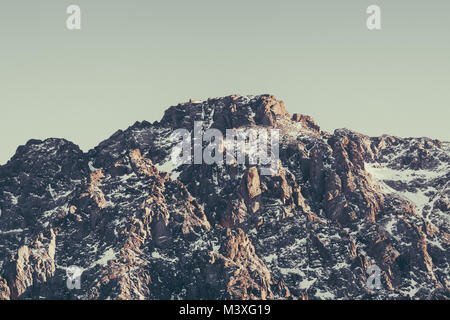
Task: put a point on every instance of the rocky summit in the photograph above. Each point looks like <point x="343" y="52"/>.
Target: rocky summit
<point x="140" y="227"/>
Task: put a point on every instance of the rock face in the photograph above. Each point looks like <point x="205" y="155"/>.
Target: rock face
<point x="140" y="227"/>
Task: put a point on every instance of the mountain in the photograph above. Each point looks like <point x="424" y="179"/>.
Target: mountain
<point x="140" y="227"/>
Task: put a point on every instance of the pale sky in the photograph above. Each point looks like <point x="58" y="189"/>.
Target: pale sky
<point x="133" y="59"/>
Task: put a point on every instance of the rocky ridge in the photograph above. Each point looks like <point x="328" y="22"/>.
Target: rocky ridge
<point x="142" y="228"/>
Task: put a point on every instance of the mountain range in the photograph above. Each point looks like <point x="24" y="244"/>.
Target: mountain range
<point x="140" y="227"/>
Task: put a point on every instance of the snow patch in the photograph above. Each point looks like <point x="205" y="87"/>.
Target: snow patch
<point x="270" y="258"/>
<point x="106" y="256"/>
<point x="419" y="198"/>
<point x="286" y="271"/>
<point x="14" y="199"/>
<point x="324" y="295"/>
<point x="306" y="284"/>
<point x="11" y="231"/>
<point x="170" y="167"/>
<point x="157" y="255"/>
<point x="91" y="167"/>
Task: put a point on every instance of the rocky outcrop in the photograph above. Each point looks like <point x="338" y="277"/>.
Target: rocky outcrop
<point x="307" y="122"/>
<point x="5" y="293"/>
<point x="243" y="273"/>
<point x="31" y="266"/>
